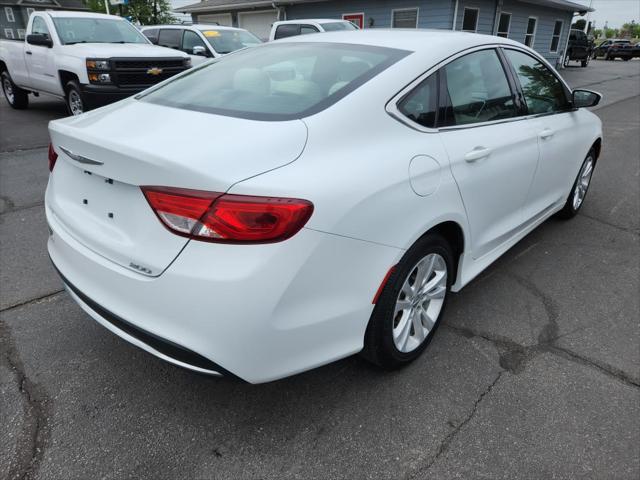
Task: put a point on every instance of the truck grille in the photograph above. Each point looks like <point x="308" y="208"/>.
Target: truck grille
<point x="145" y="72"/>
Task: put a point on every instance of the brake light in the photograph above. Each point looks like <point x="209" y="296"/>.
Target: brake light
<point x="53" y="156"/>
<point x="226" y="218"/>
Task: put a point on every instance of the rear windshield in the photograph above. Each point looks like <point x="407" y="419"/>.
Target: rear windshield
<point x="227" y="41"/>
<point x="279" y="81"/>
<point x="336" y="26"/>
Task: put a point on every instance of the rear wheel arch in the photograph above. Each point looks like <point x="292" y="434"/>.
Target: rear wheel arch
<point x="454" y="235"/>
<point x="3" y="66"/>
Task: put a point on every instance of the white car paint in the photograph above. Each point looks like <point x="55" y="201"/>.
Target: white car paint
<point x="377" y="182"/>
<point x="315" y="23"/>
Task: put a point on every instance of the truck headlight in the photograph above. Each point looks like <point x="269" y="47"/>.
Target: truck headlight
<point x="99" y="78"/>
<point x="95" y="64"/>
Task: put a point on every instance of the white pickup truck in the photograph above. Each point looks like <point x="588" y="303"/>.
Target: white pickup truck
<point x="88" y="59"/>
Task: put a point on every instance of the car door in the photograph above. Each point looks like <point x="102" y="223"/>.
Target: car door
<point x="557" y="128"/>
<point x="191" y="39"/>
<point x="493" y="151"/>
<point x="40" y="60"/>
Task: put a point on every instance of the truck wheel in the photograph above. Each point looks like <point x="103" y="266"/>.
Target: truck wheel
<point x="626" y="59"/>
<point x="585" y="62"/>
<point x="16" y="97"/>
<point x="75" y="101"/>
<point x="567" y="59"/>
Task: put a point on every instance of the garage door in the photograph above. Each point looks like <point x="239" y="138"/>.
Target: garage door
<point x="258" y="23"/>
<point x="219" y="18"/>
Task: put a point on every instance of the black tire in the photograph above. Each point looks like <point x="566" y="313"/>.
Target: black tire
<point x="585" y="62"/>
<point x="74" y="99"/>
<point x="567" y="59"/>
<point x="607" y="56"/>
<point x="379" y="346"/>
<point x="595" y="55"/>
<point x="570" y="210"/>
<point x="15" y="96"/>
<point x="626" y="59"/>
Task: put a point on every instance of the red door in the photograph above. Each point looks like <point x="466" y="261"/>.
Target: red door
<point x="357" y="18"/>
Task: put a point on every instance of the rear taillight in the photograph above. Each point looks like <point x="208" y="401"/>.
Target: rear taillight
<point x="225" y="218"/>
<point x="53" y="156"/>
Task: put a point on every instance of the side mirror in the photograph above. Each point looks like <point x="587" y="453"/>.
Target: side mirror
<point x="40" y="39"/>
<point x="199" y="50"/>
<point x="585" y="98"/>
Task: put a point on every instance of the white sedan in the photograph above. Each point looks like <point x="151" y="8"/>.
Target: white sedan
<point x="301" y="201"/>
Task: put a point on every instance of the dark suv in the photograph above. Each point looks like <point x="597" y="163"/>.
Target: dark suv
<point x="612" y="49"/>
<point x="578" y="48"/>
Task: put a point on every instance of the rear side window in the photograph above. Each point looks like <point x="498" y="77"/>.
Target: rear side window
<point x="307" y="29"/>
<point x="152" y="35"/>
<point x="478" y="89"/>
<point x="170" y="37"/>
<point x="338" y="26"/>
<point x="278" y="81"/>
<point x="286" y="30"/>
<point x="543" y="92"/>
<point x="421" y="104"/>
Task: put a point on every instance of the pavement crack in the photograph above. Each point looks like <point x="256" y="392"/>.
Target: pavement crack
<point x="10" y="208"/>
<point x="32" y="300"/>
<point x="446" y="442"/>
<point x="608" y="370"/>
<point x="612" y="225"/>
<point x="37" y="407"/>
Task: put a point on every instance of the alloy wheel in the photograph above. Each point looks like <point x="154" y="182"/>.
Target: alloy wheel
<point x="582" y="184"/>
<point x="419" y="302"/>
<point x="75" y="103"/>
<point x="8" y="90"/>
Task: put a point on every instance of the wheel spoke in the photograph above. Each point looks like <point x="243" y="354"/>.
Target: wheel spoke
<point x="418" y="328"/>
<point x="404" y="329"/>
<point x="438" y="292"/>
<point x="427" y="321"/>
<point x="402" y="305"/>
<point x="435" y="281"/>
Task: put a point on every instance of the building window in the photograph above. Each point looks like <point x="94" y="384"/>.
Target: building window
<point x="504" y="25"/>
<point x="530" y="37"/>
<point x="555" y="40"/>
<point x="404" y="18"/>
<point x="21" y="33"/>
<point x="470" y="20"/>
<point x="8" y="33"/>
<point x="8" y="11"/>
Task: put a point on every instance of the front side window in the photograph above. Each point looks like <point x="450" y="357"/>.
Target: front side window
<point x="170" y="37"/>
<point x="543" y="92"/>
<point x="190" y="40"/>
<point x="530" y="37"/>
<point x="96" y="30"/>
<point x="470" y="20"/>
<point x="39" y="27"/>
<point x="421" y="104"/>
<point x="555" y="39"/>
<point x="286" y="30"/>
<point x="478" y="89"/>
<point x="280" y="81"/>
<point x="404" y="18"/>
<point x="227" y="41"/>
<point x="504" y="25"/>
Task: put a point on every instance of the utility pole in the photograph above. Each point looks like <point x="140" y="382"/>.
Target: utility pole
<point x="106" y="6"/>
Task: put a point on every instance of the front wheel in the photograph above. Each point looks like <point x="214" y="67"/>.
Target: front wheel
<point x="585" y="62"/>
<point x="626" y="59"/>
<point x="567" y="59"/>
<point x="580" y="188"/>
<point x="411" y="304"/>
<point x="74" y="99"/>
<point x="16" y="97"/>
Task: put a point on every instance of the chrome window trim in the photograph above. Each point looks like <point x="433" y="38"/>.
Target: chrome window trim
<point x="392" y="105"/>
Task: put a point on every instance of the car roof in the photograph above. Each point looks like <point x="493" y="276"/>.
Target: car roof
<point x="69" y="14"/>
<point x="411" y="39"/>
<point x="316" y="20"/>
<point x="195" y="26"/>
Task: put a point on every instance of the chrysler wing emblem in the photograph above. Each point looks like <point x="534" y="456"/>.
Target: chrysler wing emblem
<point x="80" y="158"/>
<point x="154" y="71"/>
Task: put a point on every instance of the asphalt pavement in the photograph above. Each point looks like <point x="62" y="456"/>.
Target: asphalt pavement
<point x="535" y="372"/>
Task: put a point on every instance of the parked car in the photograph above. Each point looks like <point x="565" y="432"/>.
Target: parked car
<point x="292" y="28"/>
<point x="201" y="42"/>
<point x="627" y="53"/>
<point x="578" y="48"/>
<point x="612" y="49"/>
<point x="316" y="216"/>
<point x="87" y="59"/>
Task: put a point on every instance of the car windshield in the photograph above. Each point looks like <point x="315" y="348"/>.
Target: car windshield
<point x="96" y="30"/>
<point x="227" y="41"/>
<point x="279" y="81"/>
<point x="337" y="26"/>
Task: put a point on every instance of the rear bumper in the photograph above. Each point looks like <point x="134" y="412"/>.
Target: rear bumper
<point x="99" y="95"/>
<point x="258" y="312"/>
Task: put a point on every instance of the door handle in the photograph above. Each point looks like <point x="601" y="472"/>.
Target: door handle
<point x="477" y="154"/>
<point x="28" y="53"/>
<point x="547" y="133"/>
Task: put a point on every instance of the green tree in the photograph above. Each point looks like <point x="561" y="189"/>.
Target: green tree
<point x="610" y="32"/>
<point x="597" y="32"/>
<point x="580" y="24"/>
<point x="631" y="29"/>
<point x="145" y="12"/>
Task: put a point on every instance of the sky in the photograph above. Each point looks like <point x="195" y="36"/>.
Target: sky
<point x="616" y="12"/>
